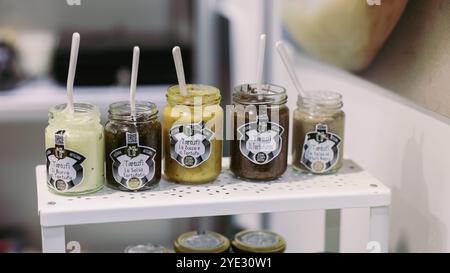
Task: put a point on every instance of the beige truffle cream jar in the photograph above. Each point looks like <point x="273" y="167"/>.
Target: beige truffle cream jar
<point x="192" y="134"/>
<point x="74" y="149"/>
<point x="318" y="132"/>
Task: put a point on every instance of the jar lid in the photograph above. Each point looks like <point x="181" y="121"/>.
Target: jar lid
<point x="259" y="241"/>
<point x="320" y="98"/>
<point x="121" y="110"/>
<point x="248" y="94"/>
<point x="198" y="94"/>
<point x="147" y="248"/>
<point x="201" y="242"/>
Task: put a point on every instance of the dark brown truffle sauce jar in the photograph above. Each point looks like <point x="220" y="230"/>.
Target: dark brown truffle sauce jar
<point x="259" y="142"/>
<point x="133" y="147"/>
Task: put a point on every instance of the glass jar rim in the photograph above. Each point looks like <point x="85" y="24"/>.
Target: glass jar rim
<point x="272" y="94"/>
<point x="121" y="110"/>
<point x="79" y="108"/>
<point x="83" y="112"/>
<point x="320" y="99"/>
<point x="208" y="94"/>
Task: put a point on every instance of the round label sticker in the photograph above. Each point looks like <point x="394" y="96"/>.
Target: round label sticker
<point x="260" y="141"/>
<point x="64" y="167"/>
<point x="190" y="144"/>
<point x="320" y="150"/>
<point x="133" y="165"/>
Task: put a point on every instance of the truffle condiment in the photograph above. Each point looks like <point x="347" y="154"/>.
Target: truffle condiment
<point x="133" y="147"/>
<point x="192" y="134"/>
<point x="261" y="132"/>
<point x="74" y="144"/>
<point x="318" y="133"/>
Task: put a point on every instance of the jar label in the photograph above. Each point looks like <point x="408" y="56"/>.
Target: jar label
<point x="133" y="165"/>
<point x="190" y="144"/>
<point x="260" y="141"/>
<point x="64" y="169"/>
<point x="320" y="150"/>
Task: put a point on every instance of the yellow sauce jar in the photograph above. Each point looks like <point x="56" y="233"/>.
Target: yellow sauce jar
<point x="192" y="134"/>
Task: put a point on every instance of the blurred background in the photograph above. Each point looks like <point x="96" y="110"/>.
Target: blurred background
<point x="390" y="59"/>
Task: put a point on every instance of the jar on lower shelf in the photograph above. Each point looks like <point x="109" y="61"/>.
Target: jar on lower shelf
<point x="259" y="146"/>
<point x="201" y="242"/>
<point x="74" y="144"/>
<point x="133" y="147"/>
<point x="258" y="241"/>
<point x="318" y="133"/>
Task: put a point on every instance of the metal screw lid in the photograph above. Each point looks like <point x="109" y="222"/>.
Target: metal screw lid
<point x="259" y="241"/>
<point x="201" y="242"/>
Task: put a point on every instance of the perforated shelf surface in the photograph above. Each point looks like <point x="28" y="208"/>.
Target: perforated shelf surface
<point x="351" y="187"/>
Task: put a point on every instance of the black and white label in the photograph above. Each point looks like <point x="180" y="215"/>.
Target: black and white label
<point x="320" y="150"/>
<point x="64" y="167"/>
<point x="260" y="141"/>
<point x="133" y="165"/>
<point x="190" y="144"/>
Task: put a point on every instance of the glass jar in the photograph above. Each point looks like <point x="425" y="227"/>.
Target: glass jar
<point x="192" y="135"/>
<point x="318" y="137"/>
<point x="258" y="241"/>
<point x="74" y="144"/>
<point x="133" y="147"/>
<point x="201" y="242"/>
<point x="259" y="145"/>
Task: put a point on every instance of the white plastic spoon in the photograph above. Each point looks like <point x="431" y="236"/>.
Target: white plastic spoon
<point x="134" y="75"/>
<point x="289" y="66"/>
<point x="72" y="69"/>
<point x="260" y="65"/>
<point x="176" y="52"/>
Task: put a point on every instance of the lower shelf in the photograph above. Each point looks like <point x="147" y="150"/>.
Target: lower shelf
<point x="351" y="187"/>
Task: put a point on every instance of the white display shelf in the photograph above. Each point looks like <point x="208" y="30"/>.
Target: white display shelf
<point x="351" y="187"/>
